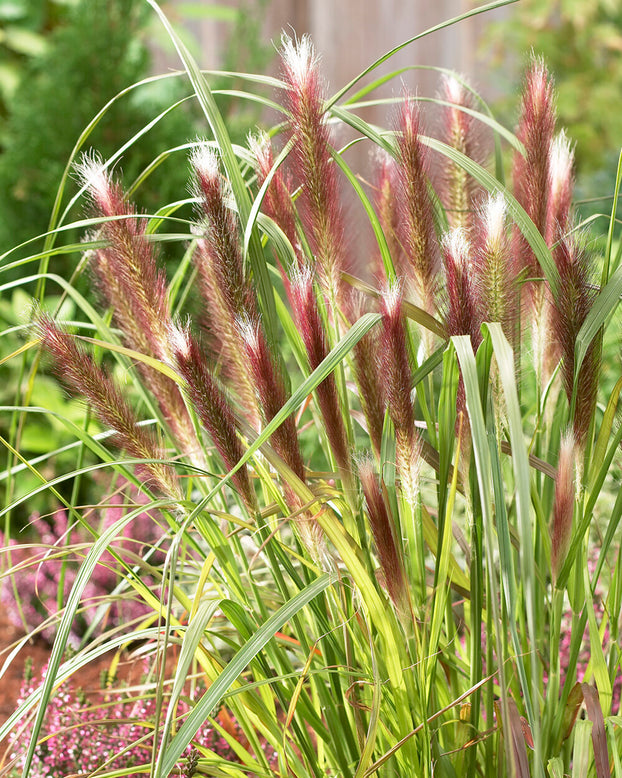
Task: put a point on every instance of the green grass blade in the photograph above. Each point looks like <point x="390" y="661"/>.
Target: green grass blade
<point x="191" y="640"/>
<point x="615" y="748"/>
<point x="612" y="222"/>
<point x="556" y="767"/>
<point x="372" y="218"/>
<point x="172" y="751"/>
<point x="445" y="534"/>
<point x="522" y="479"/>
<point x="605" y="304"/>
<point x="581" y="749"/>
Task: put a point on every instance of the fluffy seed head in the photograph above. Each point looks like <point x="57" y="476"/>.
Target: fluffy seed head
<point x="277" y="202"/>
<point x="495" y="278"/>
<point x="561" y="185"/>
<point x="387" y="206"/>
<point x="299" y="59"/>
<point x="314" y="168"/>
<point x="577" y="294"/>
<point x="531" y="171"/>
<point x="539" y="85"/>
<point x="82" y="375"/>
<point x="452" y="89"/>
<point x="561" y="527"/>
<point x="261" y="148"/>
<point x="397" y="373"/>
<point x="384" y="532"/>
<point x="306" y="315"/>
<point x="495" y="211"/>
<point x="561" y="161"/>
<point x="416" y="217"/>
<point x="461" y="315"/>
<point x="271" y="392"/>
<point x="456" y="244"/>
<point x="212" y="186"/>
<point x="179" y="340"/>
<point x="205" y="162"/>
<point x="210" y="405"/>
<point x="249" y="330"/>
<point x="458" y="190"/>
<point x="313" y="333"/>
<point x="92" y="174"/>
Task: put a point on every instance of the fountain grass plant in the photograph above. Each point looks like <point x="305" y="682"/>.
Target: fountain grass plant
<point x="385" y="501"/>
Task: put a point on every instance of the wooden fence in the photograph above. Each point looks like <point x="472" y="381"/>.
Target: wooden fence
<point x="350" y="34"/>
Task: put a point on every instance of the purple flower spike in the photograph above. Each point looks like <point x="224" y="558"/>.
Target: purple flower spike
<point x="397" y="371"/>
<point x="272" y="394"/>
<point x="129" y="281"/>
<point x="78" y="370"/>
<point x="417" y="233"/>
<point x="561" y="526"/>
<point x="461" y="131"/>
<point x="385" y="537"/>
<point x="314" y="167"/>
<point x="311" y="328"/>
<point x="211" y="406"/>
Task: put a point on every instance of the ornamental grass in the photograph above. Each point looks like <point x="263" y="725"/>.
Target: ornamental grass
<point x="386" y="486"/>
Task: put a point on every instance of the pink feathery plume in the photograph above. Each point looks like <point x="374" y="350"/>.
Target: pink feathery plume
<point x="575" y="300"/>
<point x="461" y="315"/>
<point x="386" y="201"/>
<point x="211" y="406"/>
<point x="397" y="374"/>
<point x="535" y="130"/>
<point x="415" y="209"/>
<point x="314" y="166"/>
<point x="385" y="536"/>
<point x="272" y="394"/>
<point x="277" y="202"/>
<point x="129" y="280"/>
<point x="314" y="337"/>
<point x="496" y="288"/>
<point x="222" y="282"/>
<point x="459" y="191"/>
<point x="82" y="375"/>
<point x="560" y="188"/>
<point x="563" y="508"/>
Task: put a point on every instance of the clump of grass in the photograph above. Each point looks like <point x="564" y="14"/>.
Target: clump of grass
<point x="381" y="498"/>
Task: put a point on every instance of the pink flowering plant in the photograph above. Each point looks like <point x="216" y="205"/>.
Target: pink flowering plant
<point x="41" y="570"/>
<point x="381" y="524"/>
<point x="113" y="728"/>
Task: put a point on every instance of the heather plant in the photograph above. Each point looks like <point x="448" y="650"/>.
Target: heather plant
<point x="40" y="574"/>
<point x="113" y="728"/>
<point x="386" y="489"/>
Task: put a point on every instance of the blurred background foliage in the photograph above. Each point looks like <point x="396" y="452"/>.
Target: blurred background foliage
<point x="89" y="55"/>
<point x="25" y="26"/>
<point x="61" y="62"/>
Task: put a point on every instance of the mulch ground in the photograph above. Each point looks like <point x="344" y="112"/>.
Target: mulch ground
<point x="11" y="680"/>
